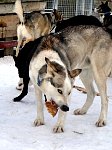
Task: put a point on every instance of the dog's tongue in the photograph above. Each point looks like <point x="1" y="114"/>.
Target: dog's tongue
<point x="52" y="107"/>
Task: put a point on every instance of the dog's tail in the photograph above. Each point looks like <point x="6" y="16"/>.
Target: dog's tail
<point x="18" y="9"/>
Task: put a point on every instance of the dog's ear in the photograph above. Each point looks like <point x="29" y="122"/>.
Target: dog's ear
<point x="53" y="66"/>
<point x="74" y="73"/>
<point x="50" y="65"/>
<point x="47" y="60"/>
<point x="106" y="3"/>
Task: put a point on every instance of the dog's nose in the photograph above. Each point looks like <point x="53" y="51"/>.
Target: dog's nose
<point x="64" y="108"/>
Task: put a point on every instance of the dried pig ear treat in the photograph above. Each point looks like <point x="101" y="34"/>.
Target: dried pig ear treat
<point x="51" y="107"/>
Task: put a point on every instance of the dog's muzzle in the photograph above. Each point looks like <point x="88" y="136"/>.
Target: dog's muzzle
<point x="64" y="108"/>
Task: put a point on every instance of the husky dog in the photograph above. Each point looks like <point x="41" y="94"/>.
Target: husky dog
<point x="53" y="67"/>
<point x="32" y="25"/>
<point x="54" y="70"/>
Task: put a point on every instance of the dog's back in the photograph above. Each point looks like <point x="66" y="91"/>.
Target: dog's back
<point x="78" y="20"/>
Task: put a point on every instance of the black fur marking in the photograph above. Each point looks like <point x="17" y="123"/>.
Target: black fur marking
<point x="78" y="20"/>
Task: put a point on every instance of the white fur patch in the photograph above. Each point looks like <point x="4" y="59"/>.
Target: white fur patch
<point x="22" y="31"/>
<point x="39" y="60"/>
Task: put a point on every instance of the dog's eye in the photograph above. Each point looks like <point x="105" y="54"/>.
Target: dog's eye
<point x="69" y="93"/>
<point x="60" y="91"/>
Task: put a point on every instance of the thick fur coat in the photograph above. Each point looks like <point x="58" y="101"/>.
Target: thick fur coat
<point x="54" y="66"/>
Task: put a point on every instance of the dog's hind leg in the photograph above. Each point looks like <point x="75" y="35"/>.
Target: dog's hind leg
<point x="100" y="79"/>
<point x="40" y="115"/>
<point x="25" y="88"/>
<point x="87" y="79"/>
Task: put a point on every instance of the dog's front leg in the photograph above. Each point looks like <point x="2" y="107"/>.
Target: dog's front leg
<point x="59" y="127"/>
<point x="20" y="38"/>
<point x="40" y="114"/>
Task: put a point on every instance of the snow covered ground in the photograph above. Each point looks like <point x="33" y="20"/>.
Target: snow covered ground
<point x="16" y="124"/>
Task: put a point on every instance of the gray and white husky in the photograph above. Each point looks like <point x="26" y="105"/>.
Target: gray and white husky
<point x="54" y="64"/>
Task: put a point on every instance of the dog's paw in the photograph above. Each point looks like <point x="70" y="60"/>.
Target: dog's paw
<point x="79" y="112"/>
<point x="16" y="99"/>
<point x="38" y="122"/>
<point x="58" y="129"/>
<point x="100" y="123"/>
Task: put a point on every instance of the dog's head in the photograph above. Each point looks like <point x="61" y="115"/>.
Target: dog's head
<point x="57" y="15"/>
<point x="103" y="8"/>
<point x="56" y="82"/>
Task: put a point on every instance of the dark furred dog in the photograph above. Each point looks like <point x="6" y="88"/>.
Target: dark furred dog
<point x="77" y="20"/>
<point x="22" y="62"/>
